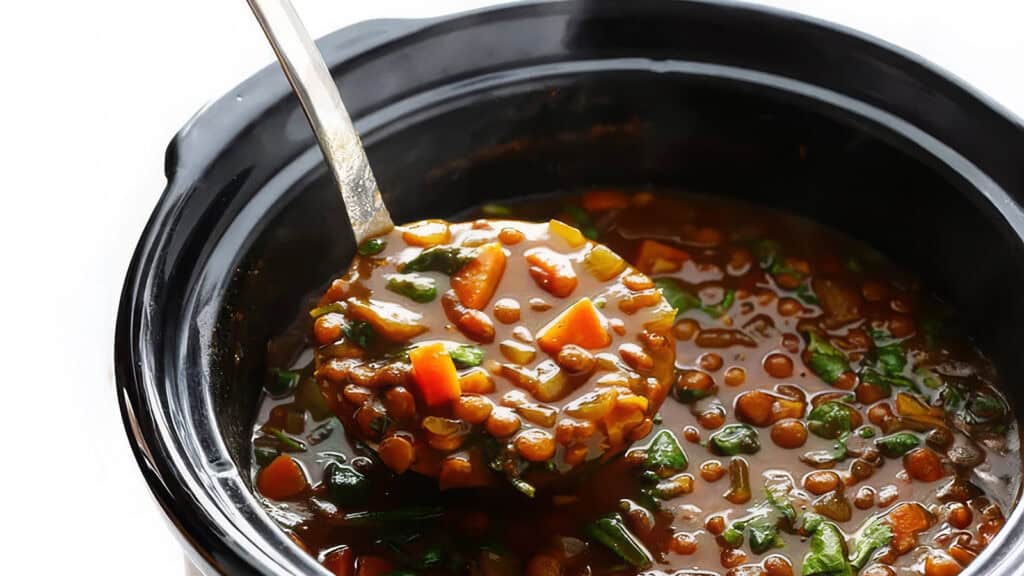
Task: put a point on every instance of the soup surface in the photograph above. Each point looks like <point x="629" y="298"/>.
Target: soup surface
<point x="759" y="395"/>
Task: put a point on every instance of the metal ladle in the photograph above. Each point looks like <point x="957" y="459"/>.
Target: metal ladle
<point x="321" y="101"/>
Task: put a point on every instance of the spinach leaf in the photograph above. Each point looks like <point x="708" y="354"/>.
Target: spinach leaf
<point x="665" y="454"/>
<point x="886" y="382"/>
<point x="830" y="420"/>
<point x="612" y="532"/>
<point x="777" y="499"/>
<point x="467" y="356"/>
<point x="764" y="535"/>
<point x="719" y="310"/>
<point x="928" y="378"/>
<point x="264" y="455"/>
<point x="890" y="359"/>
<point x="345" y="485"/>
<point x="827" y="556"/>
<point x="676" y="296"/>
<point x="283" y="382"/>
<point x="898" y="444"/>
<point x="733" y="535"/>
<point x="579" y="218"/>
<point x="360" y="333"/>
<point x="372" y="246"/>
<point x="413" y="286"/>
<point x="445" y="259"/>
<point x="828" y="362"/>
<point x="874" y="536"/>
<point x="683" y="300"/>
<point x="805" y="292"/>
<point x="735" y="439"/>
<point x="767" y="253"/>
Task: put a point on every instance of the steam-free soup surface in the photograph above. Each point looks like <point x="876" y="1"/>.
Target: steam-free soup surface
<point x="808" y="407"/>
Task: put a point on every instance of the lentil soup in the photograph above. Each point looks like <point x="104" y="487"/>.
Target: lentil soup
<point x="807" y="408"/>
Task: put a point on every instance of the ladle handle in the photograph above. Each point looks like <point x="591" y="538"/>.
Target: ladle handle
<point x="312" y="82"/>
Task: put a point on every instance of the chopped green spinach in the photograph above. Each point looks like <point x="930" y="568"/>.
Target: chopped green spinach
<point x="413" y="286"/>
<point x="611" y="531"/>
<point x="445" y="259"/>
<point x="372" y="246"/>
<point x="345" y="485"/>
<point x="360" y="333"/>
<point x="579" y="218"/>
<point x="735" y="439"/>
<point x="664" y="453"/>
<point x="467" y="356"/>
<point x="874" y="536"/>
<point x="898" y="444"/>
<point x="830" y="420"/>
<point x="283" y="382"/>
<point x="827" y="361"/>
<point x="827" y="556"/>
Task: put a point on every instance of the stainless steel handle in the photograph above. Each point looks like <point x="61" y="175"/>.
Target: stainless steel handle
<point x="312" y="82"/>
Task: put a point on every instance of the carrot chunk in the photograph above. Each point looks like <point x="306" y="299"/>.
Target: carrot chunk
<point x="552" y="271"/>
<point x="923" y="464"/>
<point x="907" y="520"/>
<point x="657" y="258"/>
<point x="435" y="374"/>
<point x="580" y="324"/>
<point x="476" y="282"/>
<point x="427" y="233"/>
<point x="601" y="200"/>
<point x="283" y="478"/>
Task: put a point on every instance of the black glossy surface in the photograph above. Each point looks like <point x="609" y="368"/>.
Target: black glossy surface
<point x="503" y="102"/>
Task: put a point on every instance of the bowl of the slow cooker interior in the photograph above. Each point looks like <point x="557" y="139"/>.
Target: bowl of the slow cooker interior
<point x="251" y="225"/>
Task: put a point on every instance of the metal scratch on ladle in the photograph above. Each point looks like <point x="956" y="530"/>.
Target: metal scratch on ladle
<point x="321" y="101"/>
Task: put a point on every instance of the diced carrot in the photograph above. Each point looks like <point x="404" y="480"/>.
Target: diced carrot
<point x="427" y="233"/>
<point x="601" y="200"/>
<point x="656" y="258"/>
<point x="339" y="561"/>
<point x="476" y="282"/>
<point x="908" y="519"/>
<point x="373" y="566"/>
<point x="924" y="465"/>
<point x="938" y="564"/>
<point x="435" y="374"/>
<point x="580" y="324"/>
<point x="552" y="271"/>
<point x="283" y="478"/>
<point x="962" y="554"/>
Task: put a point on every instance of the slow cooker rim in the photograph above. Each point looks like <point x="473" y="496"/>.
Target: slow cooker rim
<point x="143" y="410"/>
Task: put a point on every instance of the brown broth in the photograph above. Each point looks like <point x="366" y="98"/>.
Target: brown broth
<point x="847" y="291"/>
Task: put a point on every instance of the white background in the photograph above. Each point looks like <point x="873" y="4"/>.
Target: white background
<point x="91" y="93"/>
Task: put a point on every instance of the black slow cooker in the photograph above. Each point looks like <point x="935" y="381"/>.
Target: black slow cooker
<point x="530" y="98"/>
